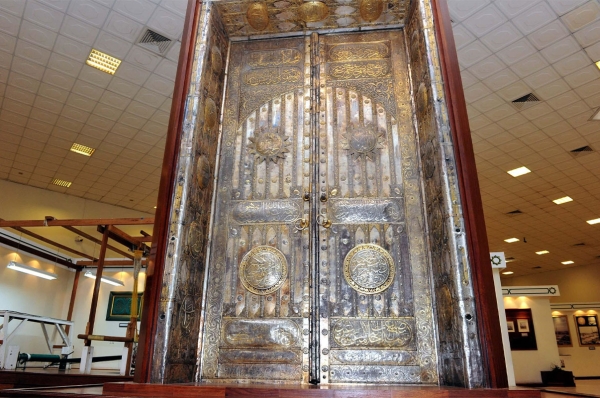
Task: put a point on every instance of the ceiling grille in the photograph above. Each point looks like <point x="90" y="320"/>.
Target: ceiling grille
<point x="581" y="151"/>
<point x="154" y="42"/>
<point x="514" y="212"/>
<point x="525" y="101"/>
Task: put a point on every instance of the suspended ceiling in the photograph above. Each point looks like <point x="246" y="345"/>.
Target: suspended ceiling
<point x="50" y="99"/>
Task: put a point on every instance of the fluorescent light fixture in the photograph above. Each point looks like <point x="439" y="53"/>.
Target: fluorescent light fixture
<point x="509" y="260"/>
<point x="596" y="115"/>
<point x="594" y="221"/>
<point x="82" y="149"/>
<point x="519" y="171"/>
<point x="61" y="183"/>
<point x="511" y="240"/>
<point x="567" y="262"/>
<point x="542" y="252"/>
<point x="31" y="271"/>
<point x="507" y="273"/>
<point x="105" y="279"/>
<point x="598" y="64"/>
<point x="562" y="200"/>
<point x="103" y="62"/>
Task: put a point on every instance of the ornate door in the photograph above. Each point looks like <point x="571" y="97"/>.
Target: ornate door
<point x="318" y="270"/>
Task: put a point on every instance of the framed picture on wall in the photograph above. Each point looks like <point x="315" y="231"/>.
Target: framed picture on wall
<point x="523" y="325"/>
<point x="521" y="331"/>
<point x="587" y="329"/>
<point x="119" y="306"/>
<point x="511" y="326"/>
<point x="562" y="331"/>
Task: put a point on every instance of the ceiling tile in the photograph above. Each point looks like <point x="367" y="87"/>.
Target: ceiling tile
<point x="166" y="23"/>
<point x="65" y="65"/>
<point x="123" y="27"/>
<point x="8" y="42"/>
<point x="42" y="15"/>
<point x="72" y="49"/>
<point x="179" y="7"/>
<point x="168" y="69"/>
<point x="100" y="122"/>
<point x="112" y="45"/>
<point x="142" y="58"/>
<point x="501" y="79"/>
<point x="534" y="17"/>
<point x="149" y="97"/>
<point x="583" y="76"/>
<point x="582" y="16"/>
<point x="516" y="51"/>
<point x="561" y="49"/>
<point x="172" y="54"/>
<point x="89" y="12"/>
<point x="572" y="63"/>
<point x="529" y="65"/>
<point x="78" y="30"/>
<point x="24" y="82"/>
<point x="123" y="87"/>
<point x="484" y="21"/>
<point x="39" y="126"/>
<point x="107" y="112"/>
<point x="14" y="7"/>
<point x="589" y="89"/>
<point x="37" y="35"/>
<point x="548" y="34"/>
<point x="131" y="73"/>
<point x="28" y="68"/>
<point x="80" y="102"/>
<point x="548" y="120"/>
<point x="161" y="117"/>
<point x="124" y="130"/>
<point x="512" y="121"/>
<point x="552" y="89"/>
<point x="9" y="23"/>
<point x="476" y="92"/>
<point x="513" y="8"/>
<point x="32" y="52"/>
<point x="113" y="99"/>
<point x="541" y="77"/>
<point x="461" y="9"/>
<point x="138" y="10"/>
<point x="58" y="79"/>
<point x="17" y="94"/>
<point x="131" y="120"/>
<point x="536" y="111"/>
<point x="514" y="91"/>
<point x="44" y="116"/>
<point x="160" y="85"/>
<point x="95" y="77"/>
<point x="75" y="113"/>
<point x="140" y="109"/>
<point x="502" y="36"/>
<point x="588" y="35"/>
<point x="593" y="52"/>
<point x="575" y="108"/>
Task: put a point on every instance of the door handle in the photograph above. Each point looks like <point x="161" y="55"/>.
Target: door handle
<point x="323" y="221"/>
<point x="300" y="224"/>
<point x="323" y="197"/>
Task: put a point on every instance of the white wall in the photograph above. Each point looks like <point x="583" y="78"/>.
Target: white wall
<point x="30" y="294"/>
<point x="582" y="361"/>
<point x="528" y="364"/>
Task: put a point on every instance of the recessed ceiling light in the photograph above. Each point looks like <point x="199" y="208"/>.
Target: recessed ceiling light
<point x="567" y="262"/>
<point x="542" y="252"/>
<point x="594" y="221"/>
<point x="511" y="240"/>
<point x="510" y="259"/>
<point x="598" y="64"/>
<point x="562" y="200"/>
<point x="103" y="62"/>
<point x="82" y="149"/>
<point x="519" y="171"/>
<point x="508" y="273"/>
<point x="61" y="183"/>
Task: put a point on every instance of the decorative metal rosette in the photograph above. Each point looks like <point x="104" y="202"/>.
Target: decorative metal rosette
<point x="263" y="270"/>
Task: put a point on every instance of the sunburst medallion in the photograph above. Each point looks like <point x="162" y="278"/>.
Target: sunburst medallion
<point x="269" y="145"/>
<point x="362" y="141"/>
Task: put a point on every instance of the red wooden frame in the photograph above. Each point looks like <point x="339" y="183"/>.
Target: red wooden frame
<point x="481" y="270"/>
<point x="165" y="193"/>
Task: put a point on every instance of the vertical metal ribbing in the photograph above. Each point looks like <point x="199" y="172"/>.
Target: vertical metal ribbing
<point x="315" y="374"/>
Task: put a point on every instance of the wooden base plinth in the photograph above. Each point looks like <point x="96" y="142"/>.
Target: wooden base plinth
<point x="302" y="391"/>
<point x="20" y="379"/>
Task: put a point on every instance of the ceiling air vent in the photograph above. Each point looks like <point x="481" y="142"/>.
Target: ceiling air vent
<point x="512" y="213"/>
<point x="581" y="151"/>
<point x="525" y="101"/>
<point x="579" y="244"/>
<point x="154" y="42"/>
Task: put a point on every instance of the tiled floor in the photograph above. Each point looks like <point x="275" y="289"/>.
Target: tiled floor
<point x="585" y="388"/>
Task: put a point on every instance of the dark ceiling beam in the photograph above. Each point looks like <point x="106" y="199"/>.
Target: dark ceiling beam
<point x="93" y="239"/>
<point x="20" y="246"/>
<point x="92" y="222"/>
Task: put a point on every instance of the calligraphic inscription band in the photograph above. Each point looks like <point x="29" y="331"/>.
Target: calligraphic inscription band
<point x="358" y="52"/>
<point x="260" y="333"/>
<point x="266" y="211"/>
<point x="265" y="59"/>
<point x="372" y="357"/>
<point x="362" y="211"/>
<point x="359" y="70"/>
<point x="373" y="333"/>
<point x="272" y="76"/>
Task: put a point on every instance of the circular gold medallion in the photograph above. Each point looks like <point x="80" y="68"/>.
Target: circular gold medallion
<point x="258" y="16"/>
<point x="370" y="10"/>
<point x="216" y="60"/>
<point x="313" y="11"/>
<point x="263" y="270"/>
<point x="369" y="268"/>
<point x="210" y="113"/>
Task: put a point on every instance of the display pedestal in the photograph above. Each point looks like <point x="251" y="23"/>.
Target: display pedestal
<point x="129" y="389"/>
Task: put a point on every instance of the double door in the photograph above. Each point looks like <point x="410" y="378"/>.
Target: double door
<point x="317" y="269"/>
